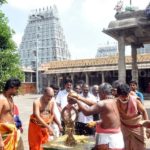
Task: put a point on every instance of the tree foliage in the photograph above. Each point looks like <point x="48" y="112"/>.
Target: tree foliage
<point x="9" y="58"/>
<point x="6" y="33"/>
<point x="9" y="66"/>
<point x="3" y="1"/>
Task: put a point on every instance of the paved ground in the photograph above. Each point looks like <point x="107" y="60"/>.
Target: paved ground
<point x="25" y="102"/>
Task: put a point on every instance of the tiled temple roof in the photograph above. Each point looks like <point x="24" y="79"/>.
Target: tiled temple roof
<point x="91" y="62"/>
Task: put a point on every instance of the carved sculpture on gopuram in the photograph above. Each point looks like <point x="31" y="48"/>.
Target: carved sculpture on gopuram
<point x="119" y="6"/>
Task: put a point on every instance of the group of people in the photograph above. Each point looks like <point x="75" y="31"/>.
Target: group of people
<point x="114" y="114"/>
<point x="123" y="117"/>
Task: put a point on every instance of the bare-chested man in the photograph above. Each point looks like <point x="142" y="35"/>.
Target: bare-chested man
<point x="8" y="130"/>
<point x="40" y="120"/>
<point x="108" y="132"/>
<point x="132" y="113"/>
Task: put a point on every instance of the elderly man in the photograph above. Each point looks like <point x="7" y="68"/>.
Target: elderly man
<point x="108" y="132"/>
<point x="40" y="120"/>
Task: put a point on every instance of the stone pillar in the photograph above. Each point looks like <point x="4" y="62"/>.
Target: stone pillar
<point x="41" y="78"/>
<point x="72" y="78"/>
<point x="58" y="80"/>
<point x="121" y="59"/>
<point x="48" y="80"/>
<point x="86" y="78"/>
<point x="103" y="78"/>
<point x="134" y="62"/>
<point x="31" y="78"/>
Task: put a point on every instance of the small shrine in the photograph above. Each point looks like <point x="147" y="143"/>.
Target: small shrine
<point x="131" y="27"/>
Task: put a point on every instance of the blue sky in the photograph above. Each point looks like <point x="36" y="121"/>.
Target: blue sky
<point x="82" y="21"/>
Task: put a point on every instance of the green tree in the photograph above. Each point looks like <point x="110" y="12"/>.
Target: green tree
<point x="6" y="33"/>
<point x="2" y="2"/>
<point x="9" y="58"/>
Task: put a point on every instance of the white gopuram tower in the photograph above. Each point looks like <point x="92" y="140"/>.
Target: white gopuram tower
<point x="43" y="39"/>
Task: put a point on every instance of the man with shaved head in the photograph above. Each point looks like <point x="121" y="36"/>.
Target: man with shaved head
<point x="40" y="120"/>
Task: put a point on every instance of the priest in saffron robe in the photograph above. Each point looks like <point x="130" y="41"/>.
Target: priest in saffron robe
<point x="40" y="120"/>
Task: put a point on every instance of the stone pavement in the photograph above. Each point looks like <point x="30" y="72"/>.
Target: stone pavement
<point x="24" y="102"/>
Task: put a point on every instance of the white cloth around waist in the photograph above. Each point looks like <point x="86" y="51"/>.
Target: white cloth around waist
<point x="114" y="140"/>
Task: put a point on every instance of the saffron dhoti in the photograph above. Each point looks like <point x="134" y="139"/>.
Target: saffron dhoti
<point x="9" y="135"/>
<point x="37" y="134"/>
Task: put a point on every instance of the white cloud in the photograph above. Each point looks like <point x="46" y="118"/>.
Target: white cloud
<point x="81" y="52"/>
<point x="34" y="4"/>
<point x="17" y="38"/>
<point x="98" y="12"/>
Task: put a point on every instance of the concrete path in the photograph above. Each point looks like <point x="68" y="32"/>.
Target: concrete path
<point x="24" y="102"/>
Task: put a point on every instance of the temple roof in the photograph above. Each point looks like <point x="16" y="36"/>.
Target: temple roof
<point x="104" y="61"/>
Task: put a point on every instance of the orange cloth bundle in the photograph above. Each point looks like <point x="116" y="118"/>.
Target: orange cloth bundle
<point x="9" y="135"/>
<point x="37" y="134"/>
